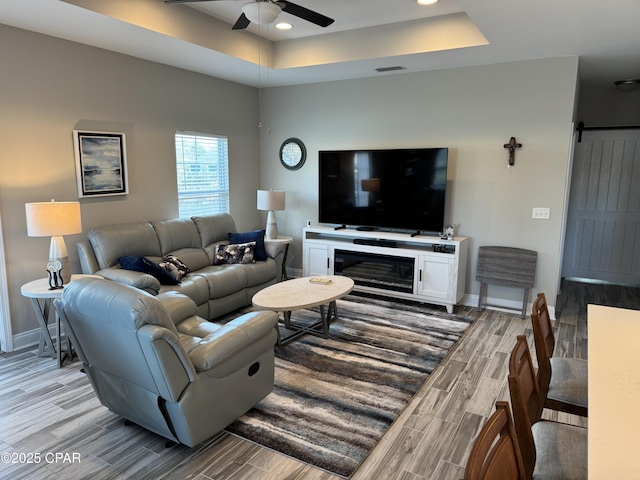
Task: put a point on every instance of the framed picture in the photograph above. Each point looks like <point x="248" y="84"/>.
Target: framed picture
<point x="101" y="165"/>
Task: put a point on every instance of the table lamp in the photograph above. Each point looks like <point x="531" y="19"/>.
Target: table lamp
<point x="55" y="219"/>
<point x="271" y="201"/>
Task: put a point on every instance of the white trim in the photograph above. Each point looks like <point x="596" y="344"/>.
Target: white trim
<point x="31" y="338"/>
<point x="565" y="206"/>
<point x="6" y="338"/>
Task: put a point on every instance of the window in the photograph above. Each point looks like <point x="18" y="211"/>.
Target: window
<point x="202" y="164"/>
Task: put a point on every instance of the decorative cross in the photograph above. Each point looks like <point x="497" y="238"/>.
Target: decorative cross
<point x="512" y="145"/>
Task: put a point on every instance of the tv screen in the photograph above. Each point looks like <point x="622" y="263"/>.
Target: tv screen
<point x="401" y="189"/>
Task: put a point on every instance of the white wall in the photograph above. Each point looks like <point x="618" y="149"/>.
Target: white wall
<point x="49" y="87"/>
<point x="473" y="111"/>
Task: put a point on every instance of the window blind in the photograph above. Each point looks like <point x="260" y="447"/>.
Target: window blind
<point x="202" y="165"/>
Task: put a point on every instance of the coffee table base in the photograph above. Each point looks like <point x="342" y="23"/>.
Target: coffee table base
<point x="319" y="328"/>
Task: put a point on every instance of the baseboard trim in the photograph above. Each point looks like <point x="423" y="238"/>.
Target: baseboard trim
<point x="31" y="338"/>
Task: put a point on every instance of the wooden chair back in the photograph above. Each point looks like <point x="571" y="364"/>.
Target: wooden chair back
<point x="544" y="341"/>
<point x="527" y="401"/>
<point x="496" y="454"/>
<point x="562" y="381"/>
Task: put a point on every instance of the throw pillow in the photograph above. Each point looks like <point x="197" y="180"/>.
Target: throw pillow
<point x="175" y="267"/>
<point x="235" y="253"/>
<point x="144" y="265"/>
<point x="254" y="236"/>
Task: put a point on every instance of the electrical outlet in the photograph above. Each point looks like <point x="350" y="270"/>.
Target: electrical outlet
<point x="541" y="213"/>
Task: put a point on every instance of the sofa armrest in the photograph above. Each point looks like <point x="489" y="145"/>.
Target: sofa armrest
<point x="88" y="261"/>
<point x="232" y="338"/>
<point x="140" y="280"/>
<point x="179" y="306"/>
<point x="274" y="249"/>
<point x="169" y="364"/>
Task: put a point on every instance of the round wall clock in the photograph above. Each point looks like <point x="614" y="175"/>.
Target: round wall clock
<point x="293" y="154"/>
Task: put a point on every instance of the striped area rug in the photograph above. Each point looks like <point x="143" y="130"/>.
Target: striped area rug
<point x="334" y="398"/>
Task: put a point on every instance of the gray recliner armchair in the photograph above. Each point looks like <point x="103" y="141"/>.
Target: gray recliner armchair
<point x="154" y="362"/>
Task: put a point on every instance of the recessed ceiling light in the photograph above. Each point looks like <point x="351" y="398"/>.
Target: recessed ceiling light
<point x="426" y="2"/>
<point x="284" y="26"/>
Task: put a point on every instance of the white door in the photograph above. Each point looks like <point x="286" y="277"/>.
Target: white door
<point x="603" y="222"/>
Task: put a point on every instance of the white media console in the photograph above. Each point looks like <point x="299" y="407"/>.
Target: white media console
<point x="422" y="268"/>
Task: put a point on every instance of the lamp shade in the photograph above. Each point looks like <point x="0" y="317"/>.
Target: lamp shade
<point x="270" y="200"/>
<point x="48" y="219"/>
<point x="261" y="12"/>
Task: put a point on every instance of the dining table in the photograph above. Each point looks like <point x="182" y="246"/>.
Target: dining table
<point x="614" y="392"/>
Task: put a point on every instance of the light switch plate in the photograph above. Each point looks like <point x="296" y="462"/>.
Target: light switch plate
<point x="541" y="213"/>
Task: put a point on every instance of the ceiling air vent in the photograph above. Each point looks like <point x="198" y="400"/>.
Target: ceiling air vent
<point x="391" y="69"/>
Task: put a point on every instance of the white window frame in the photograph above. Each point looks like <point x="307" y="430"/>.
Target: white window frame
<point x="202" y="170"/>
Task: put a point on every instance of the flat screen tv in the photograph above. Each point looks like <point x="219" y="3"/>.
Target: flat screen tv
<point x="401" y="189"/>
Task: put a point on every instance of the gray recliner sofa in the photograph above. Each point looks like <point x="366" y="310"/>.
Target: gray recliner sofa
<point x="153" y="361"/>
<point x="216" y="289"/>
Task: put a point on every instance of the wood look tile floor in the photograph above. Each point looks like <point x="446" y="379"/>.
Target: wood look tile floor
<point x="48" y="411"/>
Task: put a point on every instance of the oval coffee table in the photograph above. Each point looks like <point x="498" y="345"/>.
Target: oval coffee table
<point x="301" y="293"/>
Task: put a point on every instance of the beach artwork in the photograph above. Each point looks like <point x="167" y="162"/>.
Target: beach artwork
<point x="100" y="163"/>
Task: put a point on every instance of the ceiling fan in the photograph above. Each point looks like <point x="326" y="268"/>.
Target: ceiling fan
<point x="264" y="12"/>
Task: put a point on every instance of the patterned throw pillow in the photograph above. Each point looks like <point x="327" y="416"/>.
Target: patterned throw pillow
<point x="175" y="267"/>
<point x="235" y="253"/>
<point x="254" y="236"/>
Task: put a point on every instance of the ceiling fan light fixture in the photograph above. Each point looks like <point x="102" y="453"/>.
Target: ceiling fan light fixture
<point x="284" y="26"/>
<point x="628" y="85"/>
<point x="262" y="13"/>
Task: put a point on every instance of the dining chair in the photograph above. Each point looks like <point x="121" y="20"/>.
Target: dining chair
<point x="563" y="381"/>
<point x="550" y="450"/>
<point x="496" y="454"/>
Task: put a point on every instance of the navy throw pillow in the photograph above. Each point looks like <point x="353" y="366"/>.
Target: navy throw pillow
<point x="144" y="265"/>
<point x="260" y="254"/>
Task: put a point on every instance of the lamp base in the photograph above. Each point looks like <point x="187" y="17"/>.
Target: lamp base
<point x="58" y="251"/>
<point x="271" y="232"/>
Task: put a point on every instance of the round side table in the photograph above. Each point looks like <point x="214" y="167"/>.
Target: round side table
<point x="37" y="290"/>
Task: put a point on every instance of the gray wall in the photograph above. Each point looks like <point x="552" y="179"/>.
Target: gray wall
<point x="473" y="111"/>
<point x="49" y="87"/>
<point x="608" y="107"/>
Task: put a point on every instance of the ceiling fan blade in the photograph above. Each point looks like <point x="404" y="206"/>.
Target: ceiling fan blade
<point x="169" y="2"/>
<point x="241" y="23"/>
<point x="305" y="14"/>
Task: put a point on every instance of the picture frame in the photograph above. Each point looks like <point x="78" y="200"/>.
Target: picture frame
<point x="101" y="163"/>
